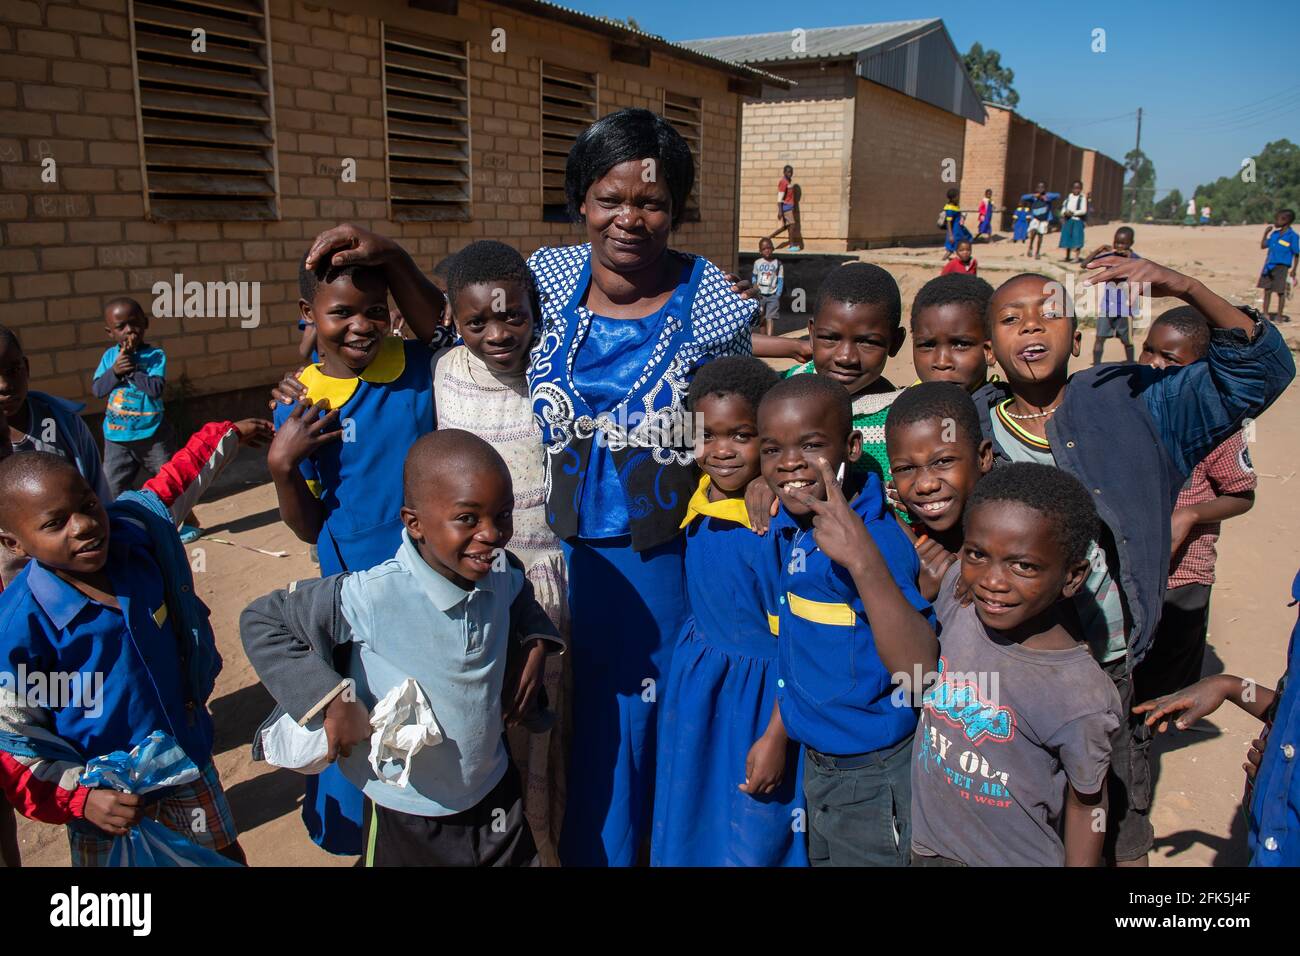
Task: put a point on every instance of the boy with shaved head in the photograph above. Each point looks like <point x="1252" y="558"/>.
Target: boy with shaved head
<point x="447" y="611"/>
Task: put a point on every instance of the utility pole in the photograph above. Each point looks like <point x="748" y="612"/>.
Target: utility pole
<point x="1132" y="209"/>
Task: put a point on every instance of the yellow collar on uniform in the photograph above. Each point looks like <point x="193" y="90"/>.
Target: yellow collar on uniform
<point x="728" y="509"/>
<point x="386" y="366"/>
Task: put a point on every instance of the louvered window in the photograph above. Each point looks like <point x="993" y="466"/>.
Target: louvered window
<point x="206" y="114"/>
<point x="569" y="105"/>
<point x="426" y="107"/>
<point x="686" y="114"/>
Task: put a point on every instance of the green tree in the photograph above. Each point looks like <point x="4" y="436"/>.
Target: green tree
<point x="991" y="79"/>
<point x="1140" y="189"/>
<point x="1171" y="206"/>
<point x="1276" y="185"/>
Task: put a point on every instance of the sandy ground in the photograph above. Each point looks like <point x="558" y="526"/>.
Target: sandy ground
<point x="1197" y="814"/>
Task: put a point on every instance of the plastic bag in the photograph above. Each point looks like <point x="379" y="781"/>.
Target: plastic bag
<point x="157" y="762"/>
<point x="288" y="744"/>
<point x="404" y="725"/>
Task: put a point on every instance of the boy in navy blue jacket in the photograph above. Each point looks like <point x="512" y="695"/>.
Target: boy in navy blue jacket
<point x="1132" y="435"/>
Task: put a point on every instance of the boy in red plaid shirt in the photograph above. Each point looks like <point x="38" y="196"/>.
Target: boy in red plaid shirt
<point x="1222" y="486"/>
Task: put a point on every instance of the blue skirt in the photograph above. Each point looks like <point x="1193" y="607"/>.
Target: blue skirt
<point x="716" y="703"/>
<point x="627" y="609"/>
<point x="1072" y="233"/>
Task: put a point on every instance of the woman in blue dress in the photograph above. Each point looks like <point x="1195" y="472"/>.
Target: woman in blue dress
<point x="728" y="790"/>
<point x="626" y="321"/>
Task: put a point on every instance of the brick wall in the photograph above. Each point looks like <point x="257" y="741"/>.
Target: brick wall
<point x="984" y="162"/>
<point x="1018" y="153"/>
<point x="900" y="145"/>
<point x="68" y="93"/>
<point x="809" y="127"/>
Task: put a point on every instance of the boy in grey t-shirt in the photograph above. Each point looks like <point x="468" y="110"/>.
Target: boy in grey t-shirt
<point x="1012" y="749"/>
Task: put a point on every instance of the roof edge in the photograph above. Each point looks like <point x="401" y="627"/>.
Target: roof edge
<point x="620" y="31"/>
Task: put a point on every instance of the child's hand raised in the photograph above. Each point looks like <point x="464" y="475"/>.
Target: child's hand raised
<point x="349" y="245"/>
<point x="113" y="811"/>
<point x="125" y="364"/>
<point x="254" y="432"/>
<point x="765" y="765"/>
<point x="1138" y="272"/>
<point x="837" y="529"/>
<point x="347" y="723"/>
<point x="307" y="428"/>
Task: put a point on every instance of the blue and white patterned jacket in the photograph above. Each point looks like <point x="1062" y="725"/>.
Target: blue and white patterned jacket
<point x="648" y="432"/>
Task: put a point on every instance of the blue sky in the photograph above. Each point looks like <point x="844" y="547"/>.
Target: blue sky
<point x="1215" y="80"/>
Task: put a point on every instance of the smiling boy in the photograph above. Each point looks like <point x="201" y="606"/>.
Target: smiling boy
<point x="855" y="329"/>
<point x="843" y="637"/>
<point x="937" y="455"/>
<point x="445" y="611"/>
<point x="1019" y="697"/>
<point x="1105" y="425"/>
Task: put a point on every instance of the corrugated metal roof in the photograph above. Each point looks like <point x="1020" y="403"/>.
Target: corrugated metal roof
<point x="915" y="57"/>
<point x="818" y="44"/>
<point x="653" y="40"/>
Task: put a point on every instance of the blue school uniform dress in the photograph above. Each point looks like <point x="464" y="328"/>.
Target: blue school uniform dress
<point x="358" y="480"/>
<point x="608" y="397"/>
<point x="952" y="217"/>
<point x="1274" y="831"/>
<point x="986" y="220"/>
<point x="834" y="692"/>
<point x="717" y="702"/>
<point x="1020" y="229"/>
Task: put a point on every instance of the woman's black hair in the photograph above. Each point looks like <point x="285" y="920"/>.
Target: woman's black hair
<point x="626" y="135"/>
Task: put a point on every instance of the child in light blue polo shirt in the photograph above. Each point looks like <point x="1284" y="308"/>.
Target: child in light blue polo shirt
<point x="448" y="611"/>
<point x="844" y="641"/>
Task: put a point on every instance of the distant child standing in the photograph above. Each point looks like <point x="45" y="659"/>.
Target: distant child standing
<point x="1221" y="486"/>
<point x="131" y="375"/>
<point x="1041" y="215"/>
<point x="1040" y="736"/>
<point x="1283" y="247"/>
<point x="1020" y="226"/>
<point x="954" y="226"/>
<point x="856" y="327"/>
<point x="729" y="788"/>
<point x="963" y="263"/>
<point x="1074" y="210"/>
<point x="950" y="331"/>
<point x="1113" y="307"/>
<point x="769" y="279"/>
<point x="985" y="229"/>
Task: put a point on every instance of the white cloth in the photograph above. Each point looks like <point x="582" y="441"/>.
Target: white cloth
<point x="403" y="725"/>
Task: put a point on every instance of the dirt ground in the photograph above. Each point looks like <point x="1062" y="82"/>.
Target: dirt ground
<point x="1196" y="813"/>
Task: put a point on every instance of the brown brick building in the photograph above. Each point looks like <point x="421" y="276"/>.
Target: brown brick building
<point x="1010" y="155"/>
<point x="875" y="122"/>
<point x="214" y="138"/>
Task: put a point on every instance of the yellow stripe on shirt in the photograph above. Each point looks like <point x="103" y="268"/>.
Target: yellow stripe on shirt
<point x="821" y="612"/>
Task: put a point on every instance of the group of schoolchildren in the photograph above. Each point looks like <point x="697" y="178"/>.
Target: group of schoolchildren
<point x="922" y="638"/>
